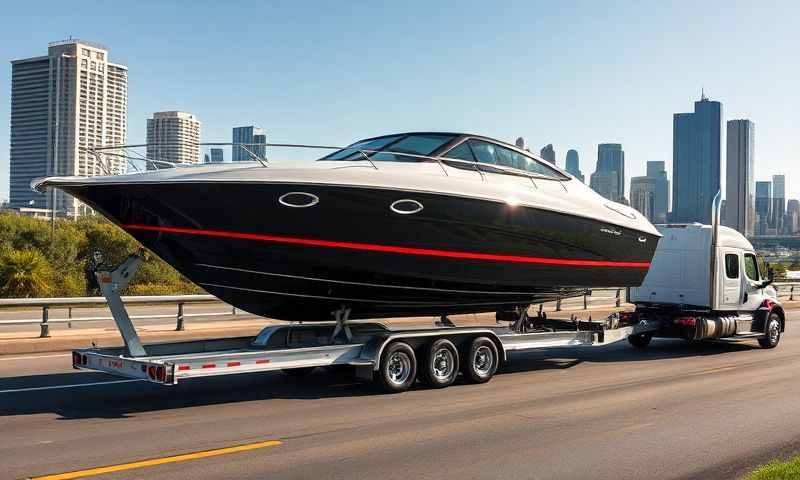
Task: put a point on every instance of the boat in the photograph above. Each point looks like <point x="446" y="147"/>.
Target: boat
<point x="411" y="224"/>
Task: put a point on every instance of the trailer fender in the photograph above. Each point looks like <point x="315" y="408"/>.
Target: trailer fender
<point x="762" y="313"/>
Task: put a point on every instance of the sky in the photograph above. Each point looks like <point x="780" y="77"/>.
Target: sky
<point x="569" y="73"/>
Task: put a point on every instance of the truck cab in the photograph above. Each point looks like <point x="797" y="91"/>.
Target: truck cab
<point x="708" y="282"/>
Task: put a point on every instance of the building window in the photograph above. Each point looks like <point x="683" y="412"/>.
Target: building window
<point x="85" y="52"/>
<point x="99" y="55"/>
<point x="83" y="62"/>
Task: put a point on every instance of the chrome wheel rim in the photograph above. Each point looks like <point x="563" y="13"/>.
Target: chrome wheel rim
<point x="443" y="364"/>
<point x="398" y="368"/>
<point x="483" y="360"/>
<point x="774" y="332"/>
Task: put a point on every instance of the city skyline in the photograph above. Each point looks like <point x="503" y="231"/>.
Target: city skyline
<point x="294" y="105"/>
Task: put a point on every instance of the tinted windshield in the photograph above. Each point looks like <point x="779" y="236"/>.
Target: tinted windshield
<point x="415" y="144"/>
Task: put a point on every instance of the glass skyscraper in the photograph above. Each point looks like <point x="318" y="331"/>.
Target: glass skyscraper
<point x="609" y="177"/>
<point x="739" y="177"/>
<point x="763" y="207"/>
<point x="249" y="136"/>
<point x="573" y="165"/>
<point x="696" y="161"/>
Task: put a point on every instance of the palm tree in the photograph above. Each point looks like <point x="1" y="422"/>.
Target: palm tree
<point x="24" y="274"/>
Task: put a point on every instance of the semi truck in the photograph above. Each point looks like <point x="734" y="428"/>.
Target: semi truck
<point x="705" y="283"/>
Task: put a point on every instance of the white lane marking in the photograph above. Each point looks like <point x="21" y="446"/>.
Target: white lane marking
<point x="8" y="359"/>
<point x="74" y="385"/>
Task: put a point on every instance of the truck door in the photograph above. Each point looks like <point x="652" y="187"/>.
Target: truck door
<point x="731" y="281"/>
<point x="751" y="280"/>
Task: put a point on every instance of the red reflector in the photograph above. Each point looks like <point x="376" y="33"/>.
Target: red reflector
<point x="210" y="365"/>
<point x="151" y="372"/>
<point x="687" y="321"/>
<point x="76" y="358"/>
<point x="263" y="360"/>
<point x="233" y="364"/>
<point x="161" y="374"/>
<point x="184" y="367"/>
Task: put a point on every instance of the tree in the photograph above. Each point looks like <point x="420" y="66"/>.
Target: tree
<point x="25" y="273"/>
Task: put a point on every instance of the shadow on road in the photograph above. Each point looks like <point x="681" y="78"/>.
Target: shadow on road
<point x="122" y="400"/>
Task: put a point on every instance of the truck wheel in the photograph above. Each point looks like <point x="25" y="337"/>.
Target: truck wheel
<point x="772" y="334"/>
<point x="640" y="341"/>
<point x="298" y="372"/>
<point x="481" y="361"/>
<point x="398" y="368"/>
<point x="439" y="368"/>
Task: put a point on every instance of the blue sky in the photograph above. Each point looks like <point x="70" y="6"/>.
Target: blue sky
<point x="570" y="73"/>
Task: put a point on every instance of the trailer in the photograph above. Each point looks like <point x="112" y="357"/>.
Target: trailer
<point x="393" y="359"/>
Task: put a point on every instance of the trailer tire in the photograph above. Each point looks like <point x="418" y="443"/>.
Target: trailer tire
<point x="298" y="372"/>
<point x="481" y="361"/>
<point x="772" y="332"/>
<point x="439" y="366"/>
<point x="640" y="341"/>
<point x="398" y="368"/>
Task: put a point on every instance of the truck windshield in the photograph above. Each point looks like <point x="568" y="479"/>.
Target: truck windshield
<point x="414" y="144"/>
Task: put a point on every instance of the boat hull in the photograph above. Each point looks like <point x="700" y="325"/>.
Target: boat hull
<point x="240" y="242"/>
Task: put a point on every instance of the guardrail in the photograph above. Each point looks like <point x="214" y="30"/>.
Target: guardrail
<point x="85" y="302"/>
<point x="786" y="290"/>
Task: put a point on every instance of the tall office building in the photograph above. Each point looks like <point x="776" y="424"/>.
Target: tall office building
<point x="573" y="165"/>
<point x="792" y="226"/>
<point x="173" y="137"/>
<point x="739" y="177"/>
<point x="252" y="138"/>
<point x="763" y="207"/>
<point x="696" y="161"/>
<point x="609" y="177"/>
<point x="778" y="202"/>
<point x="643" y="196"/>
<point x="63" y="103"/>
<point x="217" y="155"/>
<point x="657" y="171"/>
<point x="548" y="153"/>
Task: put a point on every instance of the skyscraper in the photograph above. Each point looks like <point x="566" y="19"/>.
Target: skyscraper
<point x="739" y="178"/>
<point x="643" y="196"/>
<point x="63" y="103"/>
<point x="573" y="165"/>
<point x="217" y="155"/>
<point x="249" y="136"/>
<point x="763" y="207"/>
<point x="609" y="177"/>
<point x="792" y="226"/>
<point x="778" y="202"/>
<point x="696" y="161"/>
<point x="173" y="137"/>
<point x="657" y="171"/>
<point x="548" y="153"/>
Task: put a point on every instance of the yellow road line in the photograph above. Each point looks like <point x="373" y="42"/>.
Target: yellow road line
<point x="89" y="472"/>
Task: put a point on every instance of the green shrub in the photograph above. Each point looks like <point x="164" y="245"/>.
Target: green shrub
<point x="25" y="274"/>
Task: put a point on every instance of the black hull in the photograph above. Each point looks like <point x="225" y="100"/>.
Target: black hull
<point x="457" y="255"/>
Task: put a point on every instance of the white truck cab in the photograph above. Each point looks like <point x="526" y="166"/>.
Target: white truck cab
<point x="707" y="282"/>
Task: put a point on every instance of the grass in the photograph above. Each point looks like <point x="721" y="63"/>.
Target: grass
<point x="777" y="470"/>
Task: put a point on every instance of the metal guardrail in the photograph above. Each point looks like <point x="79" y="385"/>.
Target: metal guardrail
<point x="786" y="290"/>
<point x="85" y="302"/>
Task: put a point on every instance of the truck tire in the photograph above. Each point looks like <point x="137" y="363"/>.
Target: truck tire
<point x="398" y="368"/>
<point x="298" y="372"/>
<point x="772" y="332"/>
<point x="480" y="361"/>
<point x="439" y="367"/>
<point x="640" y="341"/>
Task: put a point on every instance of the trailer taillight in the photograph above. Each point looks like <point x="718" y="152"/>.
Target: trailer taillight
<point x="76" y="359"/>
<point x="686" y="321"/>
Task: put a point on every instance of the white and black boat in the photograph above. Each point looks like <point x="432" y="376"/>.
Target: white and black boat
<point x="399" y="225"/>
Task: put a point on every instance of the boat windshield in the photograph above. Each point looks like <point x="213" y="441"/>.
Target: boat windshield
<point x="391" y="148"/>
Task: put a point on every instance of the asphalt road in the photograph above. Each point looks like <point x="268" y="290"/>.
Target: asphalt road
<point x="674" y="411"/>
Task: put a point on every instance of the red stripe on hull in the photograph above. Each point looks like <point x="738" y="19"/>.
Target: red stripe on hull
<point x="370" y="247"/>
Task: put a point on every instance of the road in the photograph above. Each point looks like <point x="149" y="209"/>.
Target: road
<point x="674" y="411"/>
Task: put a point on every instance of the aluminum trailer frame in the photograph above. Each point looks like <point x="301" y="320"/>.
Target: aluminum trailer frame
<point x="359" y="344"/>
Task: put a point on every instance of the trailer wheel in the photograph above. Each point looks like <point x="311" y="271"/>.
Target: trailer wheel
<point x="640" y="341"/>
<point x="298" y="372"/>
<point x="481" y="361"/>
<point x="398" y="368"/>
<point x="439" y="367"/>
<point x="772" y="334"/>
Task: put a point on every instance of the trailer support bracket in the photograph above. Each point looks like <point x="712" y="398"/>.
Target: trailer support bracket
<point x="111" y="283"/>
